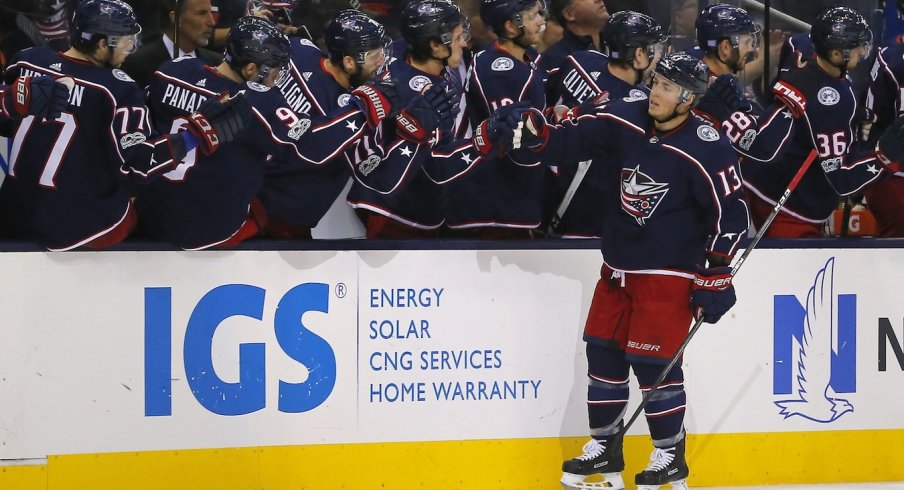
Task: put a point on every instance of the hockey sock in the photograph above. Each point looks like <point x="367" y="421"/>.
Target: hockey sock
<point x="665" y="410"/>
<point x="607" y="389"/>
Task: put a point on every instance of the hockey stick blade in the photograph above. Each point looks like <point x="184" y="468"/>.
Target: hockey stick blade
<point x="697" y="323"/>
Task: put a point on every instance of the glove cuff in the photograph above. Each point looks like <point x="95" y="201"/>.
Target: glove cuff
<point x="21" y="95"/>
<point x="205" y="133"/>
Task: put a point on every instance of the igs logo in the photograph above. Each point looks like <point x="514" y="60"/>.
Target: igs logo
<point x="815" y="351"/>
<point x="249" y="393"/>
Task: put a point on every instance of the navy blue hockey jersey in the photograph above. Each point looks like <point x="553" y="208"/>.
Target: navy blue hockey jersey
<point x="67" y="182"/>
<point x="776" y="144"/>
<point x="508" y="191"/>
<point x="583" y="76"/>
<point x="294" y="191"/>
<point x="205" y="199"/>
<point x="418" y="203"/>
<point x="679" y="192"/>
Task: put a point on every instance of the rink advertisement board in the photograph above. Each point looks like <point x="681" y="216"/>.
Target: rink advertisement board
<point x="143" y="351"/>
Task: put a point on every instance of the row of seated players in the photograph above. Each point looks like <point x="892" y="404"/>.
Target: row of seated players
<point x="453" y="188"/>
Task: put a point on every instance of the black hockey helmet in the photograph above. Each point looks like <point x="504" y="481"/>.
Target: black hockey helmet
<point x="495" y="12"/>
<point x="430" y="20"/>
<point x="840" y="28"/>
<point x="723" y="21"/>
<point x="628" y="30"/>
<point x="110" y="19"/>
<point x="256" y="40"/>
<point x="353" y="33"/>
<point x="688" y="72"/>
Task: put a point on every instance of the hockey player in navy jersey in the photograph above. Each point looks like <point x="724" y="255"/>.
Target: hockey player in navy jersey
<point x="726" y="38"/>
<point x="297" y="195"/>
<point x="505" y="196"/>
<point x="815" y="109"/>
<point x="635" y="42"/>
<point x="210" y="202"/>
<point x="679" y="184"/>
<point x="435" y="33"/>
<point x="67" y="185"/>
<point x="885" y="198"/>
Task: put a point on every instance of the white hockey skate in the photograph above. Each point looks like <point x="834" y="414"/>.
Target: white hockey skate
<point x="602" y="458"/>
<point x="667" y="466"/>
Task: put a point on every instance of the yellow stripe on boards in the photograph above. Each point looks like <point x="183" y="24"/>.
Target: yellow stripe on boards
<point x="522" y="464"/>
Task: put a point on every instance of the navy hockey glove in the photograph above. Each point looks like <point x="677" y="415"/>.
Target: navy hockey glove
<point x="533" y="132"/>
<point x="723" y="98"/>
<point x="425" y="113"/>
<point x="890" y="148"/>
<point x="377" y="99"/>
<point x="40" y="96"/>
<point x="713" y="293"/>
<point x="498" y="131"/>
<point x="217" y="121"/>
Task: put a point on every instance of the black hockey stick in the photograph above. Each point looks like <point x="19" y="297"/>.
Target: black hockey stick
<point x="734" y="270"/>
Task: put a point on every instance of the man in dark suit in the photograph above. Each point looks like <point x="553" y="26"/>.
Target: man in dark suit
<point x="195" y="25"/>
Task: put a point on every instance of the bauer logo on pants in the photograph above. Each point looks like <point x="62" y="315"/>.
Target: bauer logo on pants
<point x="815" y="350"/>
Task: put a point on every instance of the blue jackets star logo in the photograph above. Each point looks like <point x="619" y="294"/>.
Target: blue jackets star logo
<point x="640" y="195"/>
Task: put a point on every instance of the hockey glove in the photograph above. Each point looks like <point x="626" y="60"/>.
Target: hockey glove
<point x="218" y="120"/>
<point x="425" y="113"/>
<point x="377" y="99"/>
<point x="498" y="131"/>
<point x="589" y="106"/>
<point x="533" y="132"/>
<point x="890" y="148"/>
<point x="713" y="293"/>
<point x="723" y="98"/>
<point x="793" y="99"/>
<point x="40" y="96"/>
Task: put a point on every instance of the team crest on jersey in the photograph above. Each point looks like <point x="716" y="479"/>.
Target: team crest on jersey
<point x="502" y="64"/>
<point x="121" y="75"/>
<point x="640" y="195"/>
<point x="306" y="42"/>
<point x="707" y="133"/>
<point x="417" y="83"/>
<point x="299" y="128"/>
<point x="257" y="87"/>
<point x="343" y="100"/>
<point x="131" y="139"/>
<point x="635" y="94"/>
<point x="828" y="96"/>
<point x="369" y="164"/>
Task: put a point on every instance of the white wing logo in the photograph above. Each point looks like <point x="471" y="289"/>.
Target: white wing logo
<point x="812" y="397"/>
